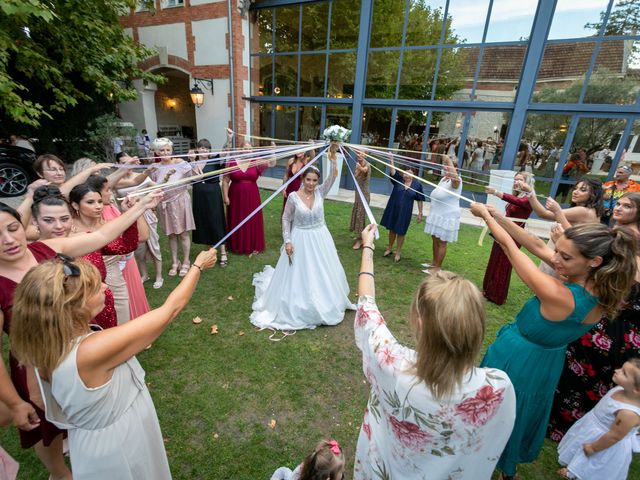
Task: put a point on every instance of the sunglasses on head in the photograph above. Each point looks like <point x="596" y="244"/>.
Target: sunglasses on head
<point x="69" y="268"/>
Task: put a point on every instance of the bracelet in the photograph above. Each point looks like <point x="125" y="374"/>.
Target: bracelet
<point x="370" y="248"/>
<point x="367" y="273"/>
<point x="197" y="266"/>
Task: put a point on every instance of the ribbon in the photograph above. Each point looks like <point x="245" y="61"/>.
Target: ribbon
<point x="367" y="209"/>
<point x="271" y="197"/>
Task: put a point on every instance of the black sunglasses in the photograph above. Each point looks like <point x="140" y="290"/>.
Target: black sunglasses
<point x="69" y="268"/>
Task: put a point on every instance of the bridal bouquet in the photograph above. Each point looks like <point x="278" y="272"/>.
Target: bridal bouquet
<point x="336" y="133"/>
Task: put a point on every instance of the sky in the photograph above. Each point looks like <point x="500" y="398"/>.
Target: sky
<point x="512" y="19"/>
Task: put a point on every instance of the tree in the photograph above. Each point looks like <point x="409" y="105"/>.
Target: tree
<point x="592" y="134"/>
<point x="52" y="49"/>
<point x="101" y="133"/>
<point x="624" y="19"/>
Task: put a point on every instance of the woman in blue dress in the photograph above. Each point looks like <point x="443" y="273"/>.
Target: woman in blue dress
<point x="397" y="214"/>
<point x="598" y="265"/>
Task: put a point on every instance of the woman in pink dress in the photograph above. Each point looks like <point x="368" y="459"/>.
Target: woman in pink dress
<point x="174" y="213"/>
<point x="241" y="195"/>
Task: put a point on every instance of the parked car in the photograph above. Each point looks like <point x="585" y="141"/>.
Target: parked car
<point x="16" y="170"/>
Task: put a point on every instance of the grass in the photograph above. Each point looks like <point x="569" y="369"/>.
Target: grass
<point x="218" y="395"/>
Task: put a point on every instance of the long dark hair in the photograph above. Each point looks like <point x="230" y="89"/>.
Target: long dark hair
<point x="4" y="208"/>
<point x="49" y="195"/>
<point x="595" y="194"/>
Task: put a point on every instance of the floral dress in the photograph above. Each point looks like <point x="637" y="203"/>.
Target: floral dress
<point x="589" y="364"/>
<point x="406" y="433"/>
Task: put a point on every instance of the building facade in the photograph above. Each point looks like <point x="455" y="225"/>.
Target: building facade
<point x="549" y="76"/>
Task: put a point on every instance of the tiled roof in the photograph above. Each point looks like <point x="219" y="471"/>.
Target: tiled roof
<point x="560" y="61"/>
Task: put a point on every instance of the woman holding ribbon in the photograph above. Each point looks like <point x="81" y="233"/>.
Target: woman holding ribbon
<point x="359" y="213"/>
<point x="309" y="259"/>
<point x="599" y="266"/>
<point x="241" y="195"/>
<point x="397" y="214"/>
<point x="591" y="360"/>
<point x="208" y="207"/>
<point x="497" y="277"/>
<point x="175" y="213"/>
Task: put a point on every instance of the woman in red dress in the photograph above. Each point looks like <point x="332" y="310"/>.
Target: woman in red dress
<point x="16" y="259"/>
<point x="241" y="195"/>
<point x="498" y="274"/>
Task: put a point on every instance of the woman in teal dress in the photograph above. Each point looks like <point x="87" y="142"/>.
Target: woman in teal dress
<point x="597" y="263"/>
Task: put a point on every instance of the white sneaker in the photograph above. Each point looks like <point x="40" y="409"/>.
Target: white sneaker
<point x="425" y="265"/>
<point x="427" y="271"/>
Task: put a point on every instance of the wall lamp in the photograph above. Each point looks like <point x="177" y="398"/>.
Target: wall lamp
<point x="197" y="94"/>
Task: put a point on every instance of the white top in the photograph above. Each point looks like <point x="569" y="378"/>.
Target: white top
<point x="611" y="463"/>
<point x="406" y="433"/>
<point x="113" y="429"/>
<point x="298" y="215"/>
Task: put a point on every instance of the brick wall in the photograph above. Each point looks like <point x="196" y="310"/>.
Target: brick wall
<point x="187" y="14"/>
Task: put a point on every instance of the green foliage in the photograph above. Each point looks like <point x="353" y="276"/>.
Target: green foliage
<point x="52" y="47"/>
<point x="592" y="134"/>
<point x="101" y="133"/>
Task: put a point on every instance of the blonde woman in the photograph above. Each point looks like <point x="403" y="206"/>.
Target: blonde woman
<point x="91" y="382"/>
<point x="174" y="213"/>
<point x="430" y="409"/>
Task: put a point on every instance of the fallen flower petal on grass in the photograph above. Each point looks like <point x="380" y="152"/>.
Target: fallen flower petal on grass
<point x="214" y="329"/>
<point x="272" y="423"/>
<point x="230" y="297"/>
<point x="196" y="320"/>
<point x="241" y="333"/>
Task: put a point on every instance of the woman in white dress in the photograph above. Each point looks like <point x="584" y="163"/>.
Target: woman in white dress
<point x="443" y="221"/>
<point x="308" y="287"/>
<point x="91" y="382"/>
<point x="431" y="412"/>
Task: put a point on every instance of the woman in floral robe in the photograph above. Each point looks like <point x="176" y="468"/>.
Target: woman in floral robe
<point x="430" y="411"/>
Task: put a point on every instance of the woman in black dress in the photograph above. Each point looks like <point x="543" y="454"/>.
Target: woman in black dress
<point x="208" y="207"/>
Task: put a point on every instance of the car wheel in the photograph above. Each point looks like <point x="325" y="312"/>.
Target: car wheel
<point x="14" y="180"/>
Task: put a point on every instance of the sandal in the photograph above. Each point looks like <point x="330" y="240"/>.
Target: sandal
<point x="173" y="271"/>
<point x="158" y="283"/>
<point x="396" y="259"/>
<point x="357" y="245"/>
<point x="387" y="252"/>
<point x="224" y="260"/>
<point x="184" y="269"/>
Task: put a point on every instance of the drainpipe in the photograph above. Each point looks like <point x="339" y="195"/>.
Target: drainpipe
<point x="231" y="72"/>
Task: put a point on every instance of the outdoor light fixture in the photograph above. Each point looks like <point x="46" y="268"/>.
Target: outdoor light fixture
<point x="170" y="103"/>
<point x="197" y="95"/>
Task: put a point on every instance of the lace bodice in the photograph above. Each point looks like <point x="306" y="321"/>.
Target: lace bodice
<point x="298" y="215"/>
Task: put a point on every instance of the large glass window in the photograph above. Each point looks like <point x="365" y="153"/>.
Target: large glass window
<point x="459" y="66"/>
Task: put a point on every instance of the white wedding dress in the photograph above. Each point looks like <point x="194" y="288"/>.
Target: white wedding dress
<point x="312" y="289"/>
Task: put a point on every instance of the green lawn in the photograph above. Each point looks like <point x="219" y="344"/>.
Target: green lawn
<point x="216" y="395"/>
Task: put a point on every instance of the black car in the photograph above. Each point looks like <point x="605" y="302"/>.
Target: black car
<point x="16" y="170"/>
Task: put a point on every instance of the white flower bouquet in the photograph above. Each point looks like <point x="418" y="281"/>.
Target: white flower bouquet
<point x="336" y="133"/>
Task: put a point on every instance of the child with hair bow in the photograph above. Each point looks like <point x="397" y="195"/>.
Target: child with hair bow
<point x="326" y="462"/>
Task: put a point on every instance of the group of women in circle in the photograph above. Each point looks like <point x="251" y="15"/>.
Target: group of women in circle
<point x="430" y="409"/>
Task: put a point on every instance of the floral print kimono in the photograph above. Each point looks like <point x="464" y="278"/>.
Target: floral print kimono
<point x="406" y="433"/>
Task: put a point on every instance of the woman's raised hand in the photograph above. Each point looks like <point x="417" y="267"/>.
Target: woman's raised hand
<point x="525" y="187"/>
<point x="553" y="206"/>
<point x="41" y="182"/>
<point x="556" y="232"/>
<point x="490" y="190"/>
<point x="206" y="259"/>
<point x="480" y="210"/>
<point x="368" y="234"/>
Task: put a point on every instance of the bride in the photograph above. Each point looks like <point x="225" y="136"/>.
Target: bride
<point x="308" y="287"/>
